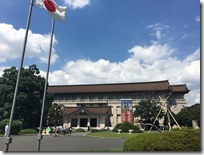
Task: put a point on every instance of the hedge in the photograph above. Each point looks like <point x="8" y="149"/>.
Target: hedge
<point x="28" y="131"/>
<point x="79" y="130"/>
<point x="187" y="140"/>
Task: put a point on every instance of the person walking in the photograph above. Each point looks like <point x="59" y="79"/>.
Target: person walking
<point x="6" y="130"/>
<point x="70" y="130"/>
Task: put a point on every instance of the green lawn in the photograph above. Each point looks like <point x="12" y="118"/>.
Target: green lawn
<point x="110" y="134"/>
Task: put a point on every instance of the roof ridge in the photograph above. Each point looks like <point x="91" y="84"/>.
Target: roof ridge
<point x="178" y="85"/>
<point x="109" y="83"/>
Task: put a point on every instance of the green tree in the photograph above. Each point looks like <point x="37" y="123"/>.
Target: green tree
<point x="55" y="114"/>
<point x="187" y="114"/>
<point x="29" y="97"/>
<point x="147" y="110"/>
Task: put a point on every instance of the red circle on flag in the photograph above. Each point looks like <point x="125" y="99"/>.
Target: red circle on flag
<point x="49" y="5"/>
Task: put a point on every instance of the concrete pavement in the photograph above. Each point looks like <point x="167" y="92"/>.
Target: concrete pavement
<point x="77" y="142"/>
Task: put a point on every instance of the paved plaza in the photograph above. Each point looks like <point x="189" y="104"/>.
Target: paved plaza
<point x="74" y="143"/>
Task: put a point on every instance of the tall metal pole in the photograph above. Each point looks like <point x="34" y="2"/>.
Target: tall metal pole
<point x="45" y="87"/>
<point x="8" y="140"/>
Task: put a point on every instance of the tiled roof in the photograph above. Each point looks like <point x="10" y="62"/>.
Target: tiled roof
<point x="117" y="87"/>
<point x="110" y="88"/>
<point x="89" y="110"/>
<point x="180" y="88"/>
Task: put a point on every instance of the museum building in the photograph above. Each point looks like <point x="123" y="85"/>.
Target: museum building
<point x="104" y="105"/>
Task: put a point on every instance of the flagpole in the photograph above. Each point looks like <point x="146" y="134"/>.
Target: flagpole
<point x="45" y="87"/>
<point x="8" y="140"/>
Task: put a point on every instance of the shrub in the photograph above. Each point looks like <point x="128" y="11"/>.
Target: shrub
<point x="15" y="128"/>
<point x="187" y="140"/>
<point x="28" y="131"/>
<point x="79" y="130"/>
<point x="126" y="126"/>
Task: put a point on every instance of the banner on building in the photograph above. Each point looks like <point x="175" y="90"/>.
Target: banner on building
<point x="126" y="110"/>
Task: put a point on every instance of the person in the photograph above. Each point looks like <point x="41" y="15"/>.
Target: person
<point x="70" y="130"/>
<point x="55" y="131"/>
<point x="48" y="129"/>
<point x="66" y="130"/>
<point x="6" y="130"/>
<point x="63" y="130"/>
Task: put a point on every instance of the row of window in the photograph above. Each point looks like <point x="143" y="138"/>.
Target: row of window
<point x="93" y="105"/>
<point x="112" y="97"/>
<point x="83" y="122"/>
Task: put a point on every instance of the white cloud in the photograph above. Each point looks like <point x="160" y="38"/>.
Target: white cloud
<point x="2" y="68"/>
<point x="197" y="18"/>
<point x="11" y="44"/>
<point x="77" y="3"/>
<point x="144" y="64"/>
<point x="193" y="56"/>
<point x="158" y="30"/>
<point x="148" y="63"/>
<point x="151" y="53"/>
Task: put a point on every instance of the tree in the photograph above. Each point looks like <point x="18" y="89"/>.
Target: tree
<point x="55" y="114"/>
<point x="147" y="110"/>
<point x="29" y="97"/>
<point x="187" y="114"/>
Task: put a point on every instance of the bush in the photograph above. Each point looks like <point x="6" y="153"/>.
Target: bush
<point x="79" y="130"/>
<point x="187" y="140"/>
<point x="28" y="131"/>
<point x="126" y="126"/>
<point x="15" y="128"/>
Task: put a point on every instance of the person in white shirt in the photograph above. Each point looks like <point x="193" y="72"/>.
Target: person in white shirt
<point x="6" y="130"/>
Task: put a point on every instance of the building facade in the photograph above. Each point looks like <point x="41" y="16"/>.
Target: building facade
<point x="104" y="105"/>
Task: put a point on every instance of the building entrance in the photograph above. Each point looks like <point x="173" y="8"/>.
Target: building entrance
<point x="83" y="122"/>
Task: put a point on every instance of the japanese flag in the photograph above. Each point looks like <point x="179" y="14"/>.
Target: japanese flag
<point x="57" y="12"/>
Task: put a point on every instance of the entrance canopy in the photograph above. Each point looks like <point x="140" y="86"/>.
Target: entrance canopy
<point x="87" y="110"/>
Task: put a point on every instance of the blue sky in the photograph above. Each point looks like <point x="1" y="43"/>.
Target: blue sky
<point x="106" y="41"/>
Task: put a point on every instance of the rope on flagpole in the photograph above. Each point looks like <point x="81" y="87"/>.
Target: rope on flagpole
<point x="45" y="87"/>
<point x="8" y="139"/>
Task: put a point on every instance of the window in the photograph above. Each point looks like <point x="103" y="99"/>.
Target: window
<point x="93" y="122"/>
<point x="108" y="122"/>
<point x="74" y="122"/>
<point x="118" y="118"/>
<point x="102" y="104"/>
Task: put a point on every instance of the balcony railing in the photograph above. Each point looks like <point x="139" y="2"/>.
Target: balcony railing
<point x="105" y="101"/>
<point x="93" y="101"/>
<point x="82" y="101"/>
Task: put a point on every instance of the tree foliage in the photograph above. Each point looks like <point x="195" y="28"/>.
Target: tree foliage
<point x="55" y="114"/>
<point x="126" y="126"/>
<point x="187" y="114"/>
<point x="147" y="110"/>
<point x="15" y="128"/>
<point x="29" y="97"/>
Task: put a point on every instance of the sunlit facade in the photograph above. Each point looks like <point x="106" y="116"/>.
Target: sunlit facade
<point x="99" y="105"/>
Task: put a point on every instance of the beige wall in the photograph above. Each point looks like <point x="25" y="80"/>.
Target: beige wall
<point x="116" y="112"/>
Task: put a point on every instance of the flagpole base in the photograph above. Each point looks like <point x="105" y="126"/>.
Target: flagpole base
<point x="8" y="140"/>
